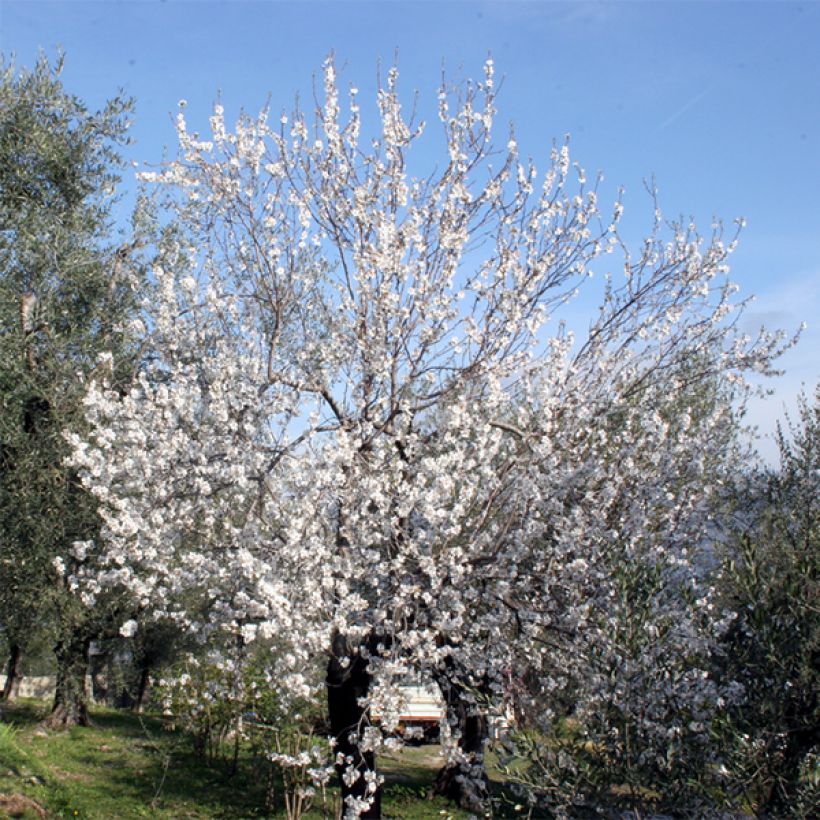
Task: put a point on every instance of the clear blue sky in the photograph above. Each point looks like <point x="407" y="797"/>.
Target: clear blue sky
<point x="719" y="101"/>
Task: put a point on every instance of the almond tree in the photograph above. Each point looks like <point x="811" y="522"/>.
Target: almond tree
<point x="360" y="388"/>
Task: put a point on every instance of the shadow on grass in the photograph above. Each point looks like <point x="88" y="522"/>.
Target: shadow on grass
<point x="25" y="713"/>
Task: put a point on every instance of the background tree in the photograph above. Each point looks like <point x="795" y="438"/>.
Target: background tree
<point x="771" y="585"/>
<point x="67" y="294"/>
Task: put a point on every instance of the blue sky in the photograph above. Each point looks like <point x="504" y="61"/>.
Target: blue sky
<point x="719" y="101"/>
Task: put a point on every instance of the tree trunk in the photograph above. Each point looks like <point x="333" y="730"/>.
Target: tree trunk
<point x="142" y="688"/>
<point x="70" y="695"/>
<point x="347" y="681"/>
<point x="14" y="672"/>
<point x="466" y="783"/>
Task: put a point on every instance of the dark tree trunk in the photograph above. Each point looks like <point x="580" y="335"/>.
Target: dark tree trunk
<point x="14" y="672"/>
<point x="142" y="688"/>
<point x="347" y="681"/>
<point x="70" y="695"/>
<point x="466" y="784"/>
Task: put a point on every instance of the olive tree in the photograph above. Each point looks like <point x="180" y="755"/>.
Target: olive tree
<point x="67" y="292"/>
<point x="769" y="583"/>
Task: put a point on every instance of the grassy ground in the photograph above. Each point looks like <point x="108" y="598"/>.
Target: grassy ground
<point x="126" y="766"/>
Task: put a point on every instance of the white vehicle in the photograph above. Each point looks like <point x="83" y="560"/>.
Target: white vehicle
<point x="423" y="709"/>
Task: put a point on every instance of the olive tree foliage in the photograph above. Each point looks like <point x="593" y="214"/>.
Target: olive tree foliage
<point x="771" y="583"/>
<point x="364" y="430"/>
<point x="66" y="293"/>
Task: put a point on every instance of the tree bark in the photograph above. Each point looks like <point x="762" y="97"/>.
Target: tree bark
<point x="347" y="681"/>
<point x="14" y="672"/>
<point x="466" y="784"/>
<point x="70" y="695"/>
<point x="142" y="688"/>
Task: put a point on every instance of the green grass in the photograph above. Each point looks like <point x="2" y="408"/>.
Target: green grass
<point x="127" y="766"/>
<point x="124" y="766"/>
